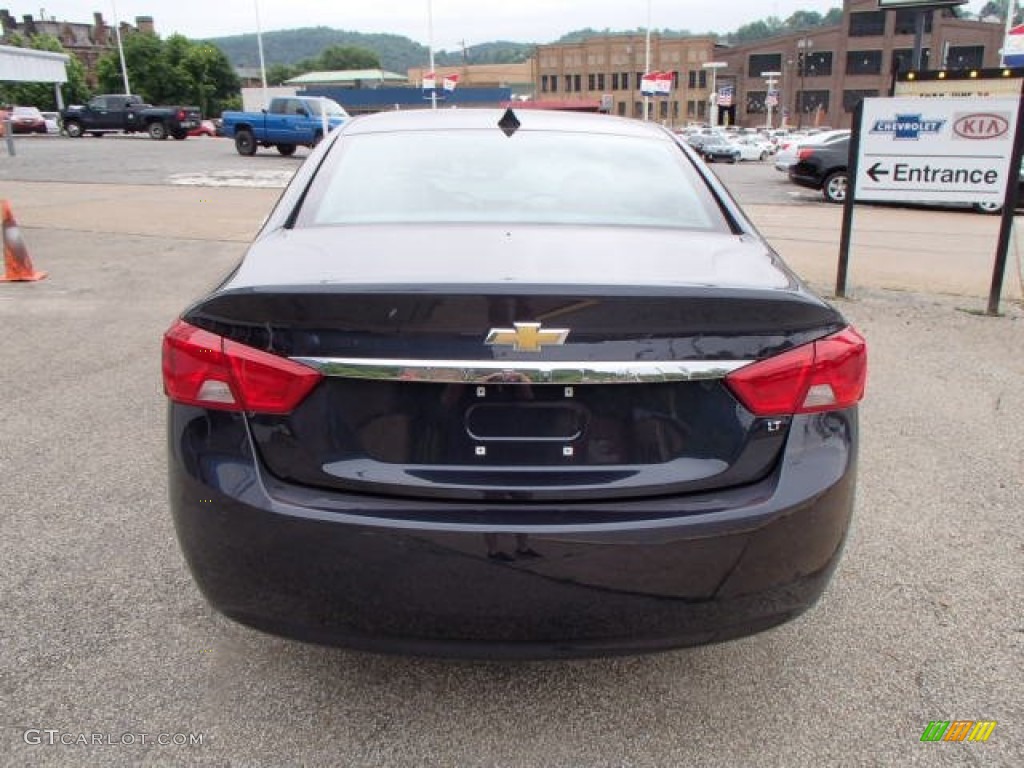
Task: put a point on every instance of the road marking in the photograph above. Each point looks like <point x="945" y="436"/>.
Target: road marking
<point x="276" y="179"/>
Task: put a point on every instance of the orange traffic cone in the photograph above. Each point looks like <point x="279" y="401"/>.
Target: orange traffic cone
<point x="17" y="264"/>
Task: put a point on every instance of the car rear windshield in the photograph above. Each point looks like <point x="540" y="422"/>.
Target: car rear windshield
<point x="533" y="177"/>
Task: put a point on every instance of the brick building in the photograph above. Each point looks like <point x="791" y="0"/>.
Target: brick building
<point x="87" y="41"/>
<point x="824" y="71"/>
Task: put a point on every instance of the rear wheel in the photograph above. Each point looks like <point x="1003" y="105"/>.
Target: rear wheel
<point x="836" y="187"/>
<point x="180" y="135"/>
<point x="988" y="207"/>
<point x="286" y="149"/>
<point x="73" y="128"/>
<point x="157" y="130"/>
<point x="317" y="138"/>
<point x="245" y="142"/>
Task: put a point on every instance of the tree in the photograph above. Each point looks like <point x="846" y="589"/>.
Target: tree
<point x="997" y="8"/>
<point x="172" y="71"/>
<point x="42" y="95"/>
<point x="341" y="57"/>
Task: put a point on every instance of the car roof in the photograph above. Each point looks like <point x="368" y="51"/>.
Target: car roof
<point x="482" y="119"/>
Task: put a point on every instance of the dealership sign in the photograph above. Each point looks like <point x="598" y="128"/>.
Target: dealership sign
<point x="935" y="150"/>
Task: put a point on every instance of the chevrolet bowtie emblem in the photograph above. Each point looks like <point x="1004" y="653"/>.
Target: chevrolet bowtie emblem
<point x="527" y="337"/>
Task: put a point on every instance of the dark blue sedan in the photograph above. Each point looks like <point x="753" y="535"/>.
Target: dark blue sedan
<point x="496" y="384"/>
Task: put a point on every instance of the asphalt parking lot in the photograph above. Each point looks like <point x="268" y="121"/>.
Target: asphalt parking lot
<point x="104" y="633"/>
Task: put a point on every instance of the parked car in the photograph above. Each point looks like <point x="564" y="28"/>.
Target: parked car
<point x="52" y="122"/>
<point x="27" y="120"/>
<point x="823" y="166"/>
<point x="525" y="384"/>
<point x="205" y="128"/>
<point x="119" y="113"/>
<point x="287" y="123"/>
<point x="786" y="155"/>
<point x="751" y="148"/>
<point x="715" y="148"/>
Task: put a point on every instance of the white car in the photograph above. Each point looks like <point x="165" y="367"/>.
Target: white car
<point x="52" y="122"/>
<point x="751" y="149"/>
<point x="786" y="155"/>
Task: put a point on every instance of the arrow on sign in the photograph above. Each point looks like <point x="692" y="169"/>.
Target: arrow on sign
<point x="875" y="171"/>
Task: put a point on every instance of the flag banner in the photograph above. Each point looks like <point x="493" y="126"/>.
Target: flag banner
<point x="429" y="81"/>
<point x="725" y="94"/>
<point x="450" y="82"/>
<point x="663" y="83"/>
<point x="1013" y="47"/>
<point x="772" y="99"/>
<point x="648" y="85"/>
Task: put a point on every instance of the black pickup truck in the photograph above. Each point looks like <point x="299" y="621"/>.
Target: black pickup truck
<point x="129" y="114"/>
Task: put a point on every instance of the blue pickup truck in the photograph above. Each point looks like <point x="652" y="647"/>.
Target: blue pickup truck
<point x="288" y="122"/>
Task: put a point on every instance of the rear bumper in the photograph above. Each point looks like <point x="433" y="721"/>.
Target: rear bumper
<point x="518" y="580"/>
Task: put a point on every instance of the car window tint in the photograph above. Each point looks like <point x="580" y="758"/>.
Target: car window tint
<point x="534" y="177"/>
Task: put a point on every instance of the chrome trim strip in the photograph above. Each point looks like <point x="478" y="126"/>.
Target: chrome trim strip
<point x="522" y="371"/>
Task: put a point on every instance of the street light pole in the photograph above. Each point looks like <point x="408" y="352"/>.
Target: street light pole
<point x="803" y="44"/>
<point x="259" y="44"/>
<point x="771" y="97"/>
<point x="714" y="66"/>
<point x="120" y="49"/>
<point x="647" y="61"/>
<point x="430" y="44"/>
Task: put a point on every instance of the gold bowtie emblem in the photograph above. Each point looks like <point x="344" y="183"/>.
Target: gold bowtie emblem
<point x="527" y="337"/>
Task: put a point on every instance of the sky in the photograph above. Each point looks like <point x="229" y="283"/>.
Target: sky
<point x="474" y="21"/>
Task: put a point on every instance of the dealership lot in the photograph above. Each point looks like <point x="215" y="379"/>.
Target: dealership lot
<point x="106" y="634"/>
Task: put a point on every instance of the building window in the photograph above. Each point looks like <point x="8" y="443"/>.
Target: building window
<point x="600" y="82"/>
<point x="867" y="24"/>
<point x="663" y="110"/>
<point x="543" y="83"/>
<point x="702" y="109"/>
<point x="675" y="110"/>
<point x="693" y="78"/>
<point x="624" y="81"/>
<point x="577" y="82"/>
<point x="965" y="57"/>
<point x="863" y="62"/>
<point x="638" y="109"/>
<point x="819" y="63"/>
<point x="621" y="109"/>
<point x="591" y="82"/>
<point x="554" y="83"/>
<point x="691" y="109"/>
<point x="903" y="59"/>
<point x="759" y="63"/>
<point x="675" y="82"/>
<point x="568" y="83"/>
<point x="852" y="98"/>
<point x="639" y="77"/>
<point x="906" y="22"/>
<point x="809" y="102"/>
<point x="615" y="81"/>
<point x="755" y="102"/>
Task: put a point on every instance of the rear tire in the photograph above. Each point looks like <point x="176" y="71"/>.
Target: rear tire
<point x="836" y="187"/>
<point x="988" y="208"/>
<point x="286" y="149"/>
<point x="73" y="128"/>
<point x="180" y="135"/>
<point x="157" y="131"/>
<point x="245" y="142"/>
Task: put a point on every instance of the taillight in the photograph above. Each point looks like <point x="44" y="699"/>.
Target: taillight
<point x="202" y="368"/>
<point x="181" y="114"/>
<point x="824" y="375"/>
<point x="805" y="153"/>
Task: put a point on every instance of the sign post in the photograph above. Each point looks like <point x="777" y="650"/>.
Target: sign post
<point x="942" y="150"/>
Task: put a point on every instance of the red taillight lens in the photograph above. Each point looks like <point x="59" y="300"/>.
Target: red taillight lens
<point x="824" y="375"/>
<point x="805" y="153"/>
<point x="201" y="368"/>
<point x="181" y="114"/>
